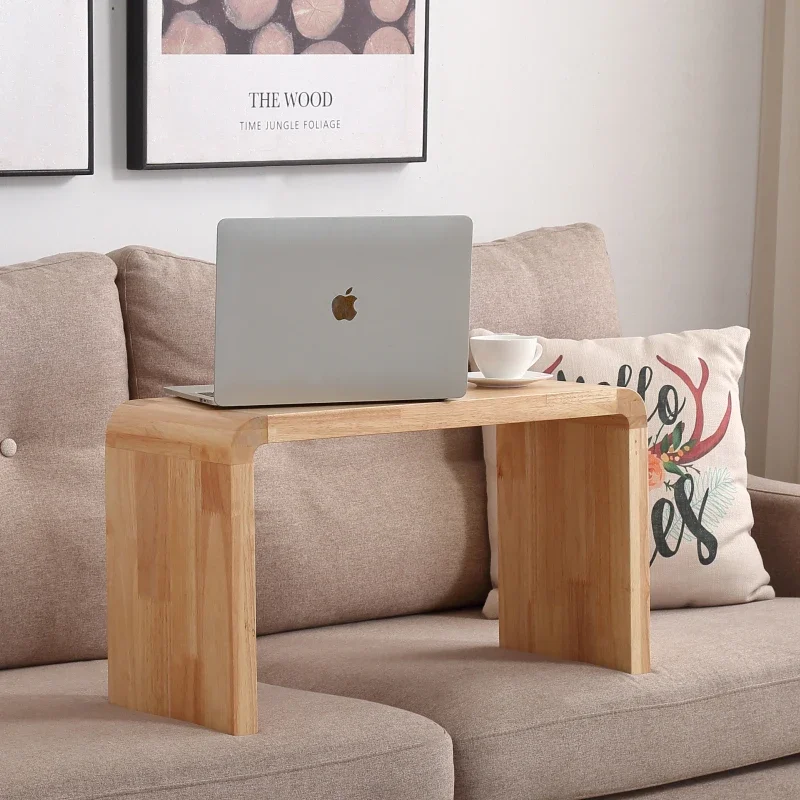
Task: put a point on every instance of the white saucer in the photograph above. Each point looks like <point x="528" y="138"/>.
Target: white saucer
<point x="505" y="383"/>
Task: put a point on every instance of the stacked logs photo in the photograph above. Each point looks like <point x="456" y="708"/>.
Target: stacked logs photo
<point x="289" y="27"/>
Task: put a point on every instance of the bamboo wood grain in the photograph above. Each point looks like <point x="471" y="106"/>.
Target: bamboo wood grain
<point x="572" y="494"/>
<point x="178" y="427"/>
<point x="181" y="589"/>
<point x="572" y="523"/>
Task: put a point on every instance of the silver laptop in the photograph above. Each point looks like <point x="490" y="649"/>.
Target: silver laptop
<point x="340" y="310"/>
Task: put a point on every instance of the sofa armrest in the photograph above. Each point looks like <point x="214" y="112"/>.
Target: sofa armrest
<point x="776" y="510"/>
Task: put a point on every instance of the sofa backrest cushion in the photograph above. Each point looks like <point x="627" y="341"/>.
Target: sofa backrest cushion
<point x="375" y="526"/>
<point x="553" y="282"/>
<point x="63" y="370"/>
<point x="168" y="306"/>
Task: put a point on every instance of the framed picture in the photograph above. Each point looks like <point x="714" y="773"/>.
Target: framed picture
<point x="216" y="83"/>
<point x="46" y="88"/>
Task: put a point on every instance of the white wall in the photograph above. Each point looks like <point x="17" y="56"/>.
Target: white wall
<point x="772" y="396"/>
<point x="638" y="115"/>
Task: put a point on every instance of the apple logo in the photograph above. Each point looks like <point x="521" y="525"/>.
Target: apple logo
<point x="344" y="306"/>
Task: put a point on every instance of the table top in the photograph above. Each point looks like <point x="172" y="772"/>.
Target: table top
<point x="172" y="425"/>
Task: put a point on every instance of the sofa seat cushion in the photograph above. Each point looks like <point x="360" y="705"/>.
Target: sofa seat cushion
<point x="723" y="693"/>
<point x="775" y="780"/>
<point x="60" y="738"/>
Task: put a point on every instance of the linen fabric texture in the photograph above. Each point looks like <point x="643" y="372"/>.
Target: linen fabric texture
<point x="702" y="553"/>
<point x="63" y="371"/>
<point x="61" y="738"/>
<point x="776" y="510"/>
<point x="774" y="780"/>
<point x="723" y="693"/>
<point x="528" y="284"/>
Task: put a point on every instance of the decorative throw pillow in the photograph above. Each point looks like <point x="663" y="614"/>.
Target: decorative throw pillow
<point x="701" y="550"/>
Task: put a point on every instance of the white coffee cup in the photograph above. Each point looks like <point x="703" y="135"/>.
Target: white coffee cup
<point x="505" y="356"/>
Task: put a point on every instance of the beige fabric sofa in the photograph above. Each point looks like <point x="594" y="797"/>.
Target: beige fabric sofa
<point x="380" y="678"/>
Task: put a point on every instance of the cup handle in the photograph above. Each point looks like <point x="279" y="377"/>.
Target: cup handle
<point x="539" y="351"/>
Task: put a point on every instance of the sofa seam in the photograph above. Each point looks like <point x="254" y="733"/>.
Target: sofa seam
<point x="154" y="251"/>
<point x="773" y="494"/>
<point x="127" y="320"/>
<point x="522" y="237"/>
<point x="240" y="778"/>
<point x="652" y="707"/>
<point x="77" y="257"/>
<point x="635" y="787"/>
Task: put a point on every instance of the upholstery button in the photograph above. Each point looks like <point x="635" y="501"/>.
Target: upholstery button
<point x="8" y="448"/>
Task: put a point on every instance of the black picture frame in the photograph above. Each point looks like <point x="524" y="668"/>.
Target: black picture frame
<point x="89" y="169"/>
<point x="137" y="56"/>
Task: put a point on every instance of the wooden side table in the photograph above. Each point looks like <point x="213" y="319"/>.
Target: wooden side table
<point x="572" y="497"/>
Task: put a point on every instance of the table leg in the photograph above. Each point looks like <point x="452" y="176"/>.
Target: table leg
<point x="572" y="531"/>
<point x="181" y="589"/>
